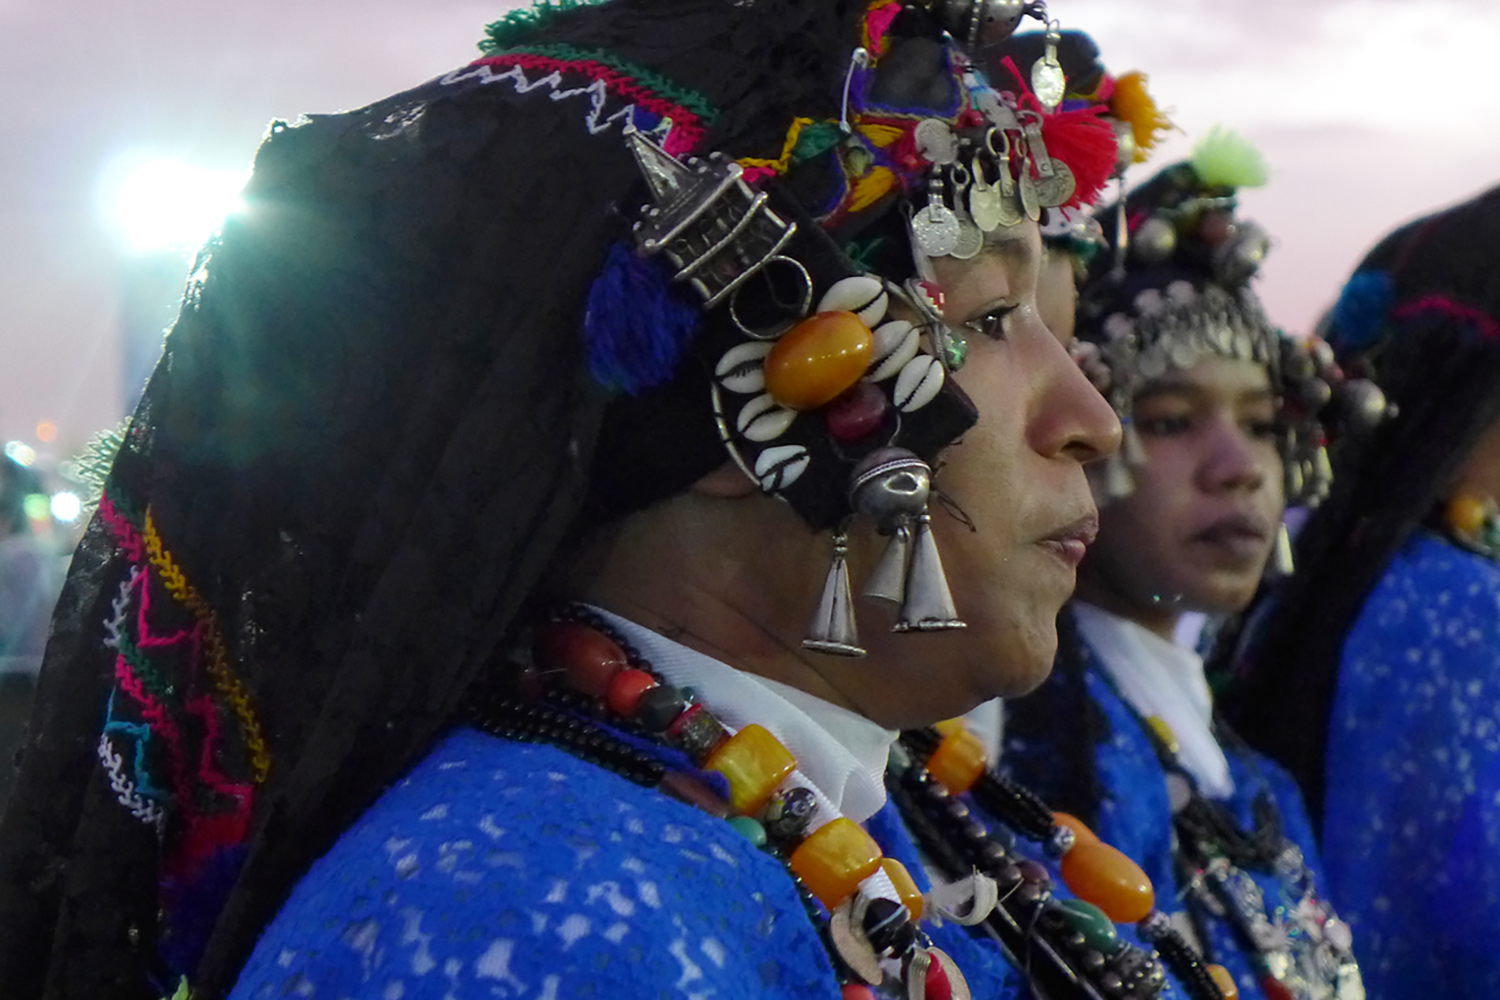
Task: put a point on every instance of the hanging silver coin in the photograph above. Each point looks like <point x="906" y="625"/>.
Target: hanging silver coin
<point x="1048" y="82"/>
<point x="936" y="230"/>
<point x="970" y="239"/>
<point x="1058" y="188"/>
<point x="936" y="141"/>
<point x="1031" y="203"/>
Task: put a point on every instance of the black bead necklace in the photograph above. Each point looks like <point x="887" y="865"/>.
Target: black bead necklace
<point x="1034" y="928"/>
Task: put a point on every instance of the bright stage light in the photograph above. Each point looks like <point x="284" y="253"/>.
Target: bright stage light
<point x="160" y="203"/>
<point x="20" y="452"/>
<point x="66" y="506"/>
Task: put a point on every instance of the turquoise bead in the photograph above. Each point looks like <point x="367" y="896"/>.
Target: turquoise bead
<point x="1087" y="919"/>
<point x="749" y="829"/>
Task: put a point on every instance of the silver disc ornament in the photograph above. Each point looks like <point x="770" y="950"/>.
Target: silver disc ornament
<point x="1057" y="189"/>
<point x="936" y="229"/>
<point x="936" y="141"/>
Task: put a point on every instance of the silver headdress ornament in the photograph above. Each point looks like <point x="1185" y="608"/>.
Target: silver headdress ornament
<point x="706" y="220"/>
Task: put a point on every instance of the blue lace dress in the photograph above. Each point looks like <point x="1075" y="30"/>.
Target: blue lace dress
<point x="499" y="869"/>
<point x="1412" y="814"/>
<point x="1135" y="814"/>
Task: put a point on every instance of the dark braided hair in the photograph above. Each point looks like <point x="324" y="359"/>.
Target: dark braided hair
<point x="1420" y="318"/>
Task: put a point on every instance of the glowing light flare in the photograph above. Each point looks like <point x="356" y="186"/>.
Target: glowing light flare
<point x="162" y="203"/>
<point x="20" y="452"/>
<point x="46" y="432"/>
<point x="37" y="506"/>
<point x="66" y="506"/>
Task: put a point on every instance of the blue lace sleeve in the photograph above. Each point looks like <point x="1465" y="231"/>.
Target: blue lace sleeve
<point x="498" y="869"/>
<point x="1411" y="829"/>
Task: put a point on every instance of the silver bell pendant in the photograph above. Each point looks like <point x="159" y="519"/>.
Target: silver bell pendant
<point x="833" y="629"/>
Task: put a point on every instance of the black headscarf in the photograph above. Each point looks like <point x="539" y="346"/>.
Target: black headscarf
<point x="1421" y="318"/>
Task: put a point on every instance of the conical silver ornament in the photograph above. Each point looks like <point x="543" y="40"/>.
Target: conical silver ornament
<point x="929" y="603"/>
<point x="832" y="629"/>
<point x="888" y="582"/>
<point x="1281" y="558"/>
<point x="1119" y="482"/>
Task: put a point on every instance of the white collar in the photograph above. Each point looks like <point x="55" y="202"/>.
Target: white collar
<point x="1157" y="677"/>
<point x="841" y="754"/>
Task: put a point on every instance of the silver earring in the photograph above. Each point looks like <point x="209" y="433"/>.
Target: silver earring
<point x="832" y="629"/>
<point x="892" y="486"/>
<point x="1282" y="561"/>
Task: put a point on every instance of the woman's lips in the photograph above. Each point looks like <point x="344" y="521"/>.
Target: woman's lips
<point x="1071" y="542"/>
<point x="1241" y="536"/>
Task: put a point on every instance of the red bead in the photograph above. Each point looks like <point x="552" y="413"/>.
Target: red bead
<point x="625" y="690"/>
<point x="689" y="790"/>
<point x="1274" y="990"/>
<point x="938" y="986"/>
<point x="856" y="991"/>
<point x="590" y="657"/>
<point x="858" y="413"/>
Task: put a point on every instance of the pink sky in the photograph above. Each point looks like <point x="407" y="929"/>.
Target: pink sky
<point x="1368" y="114"/>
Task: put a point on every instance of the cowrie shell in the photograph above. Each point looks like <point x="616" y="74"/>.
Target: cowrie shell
<point x="896" y="343"/>
<point x="742" y="369"/>
<point x="779" y="467"/>
<point x="862" y="294"/>
<point x="919" y="382"/>
<point x="763" y="419"/>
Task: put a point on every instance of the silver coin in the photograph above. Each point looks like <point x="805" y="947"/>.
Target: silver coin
<point x="984" y="206"/>
<point x="936" y="141"/>
<point x="970" y="239"/>
<point x="1057" y="189"/>
<point x="936" y="229"/>
<point x="1030" y="202"/>
<point x="1048" y="82"/>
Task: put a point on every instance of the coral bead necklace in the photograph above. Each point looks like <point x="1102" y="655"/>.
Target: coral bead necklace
<point x="582" y="687"/>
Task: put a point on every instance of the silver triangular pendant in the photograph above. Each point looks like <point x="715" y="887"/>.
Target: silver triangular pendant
<point x="833" y="629"/>
<point x="929" y="604"/>
<point x="888" y="582"/>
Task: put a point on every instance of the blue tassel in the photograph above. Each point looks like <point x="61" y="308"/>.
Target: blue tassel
<point x="1361" y="311"/>
<point x="638" y="324"/>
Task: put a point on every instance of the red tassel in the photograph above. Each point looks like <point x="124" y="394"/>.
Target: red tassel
<point x="1086" y="143"/>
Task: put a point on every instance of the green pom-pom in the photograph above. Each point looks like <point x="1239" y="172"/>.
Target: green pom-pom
<point x="520" y="25"/>
<point x="1224" y="158"/>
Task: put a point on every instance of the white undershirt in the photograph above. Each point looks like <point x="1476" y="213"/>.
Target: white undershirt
<point x="842" y="755"/>
<point x="1158" y="677"/>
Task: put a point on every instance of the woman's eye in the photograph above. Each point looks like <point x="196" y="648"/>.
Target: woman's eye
<point x="1162" y="426"/>
<point x="992" y="323"/>
<point x="1264" y="430"/>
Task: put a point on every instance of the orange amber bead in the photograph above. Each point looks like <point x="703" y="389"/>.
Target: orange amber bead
<point x="835" y="859"/>
<point x="1082" y="835"/>
<point x="755" y="762"/>
<point x="818" y="359"/>
<point x="958" y="761"/>
<point x="1464" y="514"/>
<point x="1224" y="981"/>
<point x="1099" y="874"/>
<point x="906" y="888"/>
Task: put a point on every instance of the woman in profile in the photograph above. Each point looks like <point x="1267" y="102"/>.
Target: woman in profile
<point x="1123" y="735"/>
